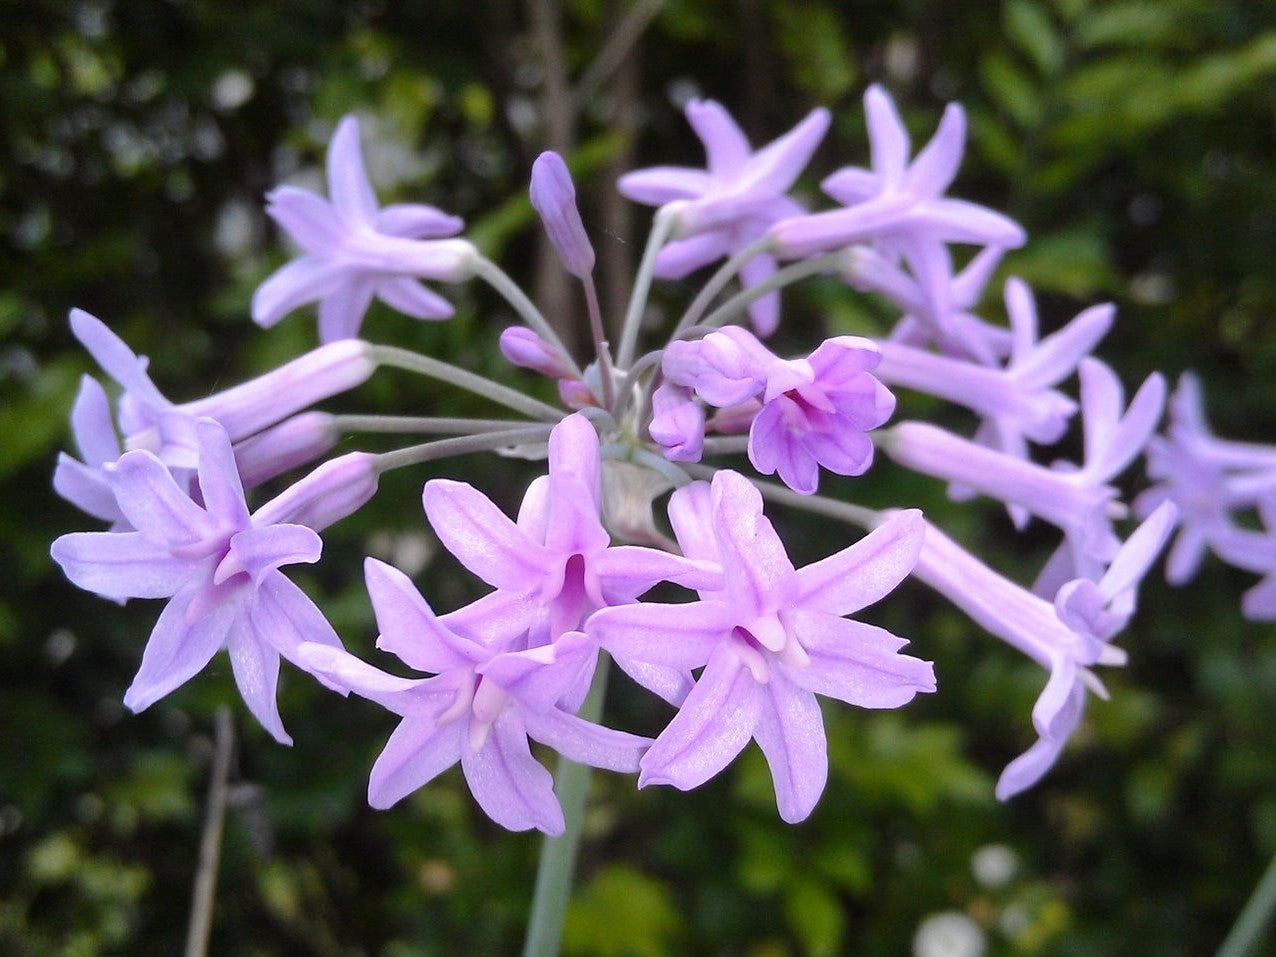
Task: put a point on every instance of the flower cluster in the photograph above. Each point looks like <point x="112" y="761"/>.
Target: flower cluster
<point x="704" y="416"/>
<point x="1213" y="482"/>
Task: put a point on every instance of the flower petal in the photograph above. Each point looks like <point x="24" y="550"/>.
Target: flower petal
<point x="856" y="663"/>
<point x="585" y="742"/>
<point x="153" y="503"/>
<point x="176" y="651"/>
<point x="712" y="727"/>
<point x="348" y="185"/>
<point x="120" y="565"/>
<point x="865" y="572"/>
<point x="677" y="636"/>
<point x="417" y="752"/>
<point x="295" y="284"/>
<point x="412" y="299"/>
<point x="482" y="537"/>
<point x="790" y="731"/>
<point x="409" y="628"/>
<point x="341" y="310"/>
<point x="508" y="783"/>
<point x="256" y="668"/>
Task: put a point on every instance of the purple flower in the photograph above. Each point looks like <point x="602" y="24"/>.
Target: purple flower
<point x="1255" y="552"/>
<point x="218" y="565"/>
<point x="729" y="205"/>
<point x="769" y="640"/>
<point x="1208" y="478"/>
<point x="149" y="421"/>
<point x="82" y="481"/>
<point x="677" y="423"/>
<point x="1067" y="637"/>
<point x="815" y="411"/>
<point x="895" y="201"/>
<point x="1016" y="403"/>
<point x="489" y="694"/>
<point x="936" y="303"/>
<point x="554" y="199"/>
<point x="558" y="554"/>
<point x="354" y="250"/>
<point x="1078" y="501"/>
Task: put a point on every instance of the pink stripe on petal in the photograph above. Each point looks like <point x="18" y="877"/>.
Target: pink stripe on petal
<point x="790" y="731"/>
<point x="712" y="727"/>
<point x="509" y="784"/>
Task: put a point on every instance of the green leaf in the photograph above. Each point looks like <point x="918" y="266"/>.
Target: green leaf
<point x="621" y="913"/>
<point x="814" y="914"/>
<point x="1010" y="87"/>
<point x="1029" y="27"/>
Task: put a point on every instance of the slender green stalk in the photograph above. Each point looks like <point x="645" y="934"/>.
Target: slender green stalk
<point x="606" y="374"/>
<point x="865" y="518"/>
<point x="210" y="845"/>
<point x="420" y="425"/>
<point x="778" y="280"/>
<point x="461" y="445"/>
<point x="464" y="379"/>
<point x="496" y="277"/>
<point x="557" y="865"/>
<point x="666" y="217"/>
<point x="716" y="284"/>
<point x="726" y="445"/>
<point x="1254" y="917"/>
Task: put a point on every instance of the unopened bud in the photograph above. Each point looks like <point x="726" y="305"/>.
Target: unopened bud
<point x="554" y="199"/>
<point x="524" y="348"/>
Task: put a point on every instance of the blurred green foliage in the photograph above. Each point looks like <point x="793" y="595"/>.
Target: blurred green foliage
<point x="1135" y="139"/>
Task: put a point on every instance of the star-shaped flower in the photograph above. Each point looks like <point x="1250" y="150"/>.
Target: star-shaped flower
<point x="731" y="203"/>
<point x="490" y="693"/>
<point x="769" y="640"/>
<point x="218" y="565"/>
<point x="354" y="250"/>
<point x="897" y="201"/>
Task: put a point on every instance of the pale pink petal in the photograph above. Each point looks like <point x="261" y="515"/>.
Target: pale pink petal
<point x="308" y="219"/>
<point x="508" y="783"/>
<point x="348" y="185"/>
<point x="865" y="572"/>
<point x="585" y="742"/>
<point x="295" y="284"/>
<point x="663" y="184"/>
<point x="677" y="636"/>
<point x="154" y="504"/>
<point x="256" y="668"/>
<point x="482" y="537"/>
<point x="412" y="299"/>
<point x="790" y="731"/>
<point x="712" y="727"/>
<point x="341" y="310"/>
<point x="176" y="651"/>
<point x="120" y="565"/>
<point x="417" y="752"/>
<point x="856" y="663"/>
<point x="409" y="628"/>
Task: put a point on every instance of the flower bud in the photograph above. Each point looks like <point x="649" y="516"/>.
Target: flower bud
<point x="524" y="348"/>
<point x="554" y="198"/>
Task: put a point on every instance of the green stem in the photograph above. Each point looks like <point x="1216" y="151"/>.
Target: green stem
<point x="557" y="864"/>
<point x="496" y="277"/>
<point x="461" y="445"/>
<point x="865" y="518"/>
<point x="423" y="425"/>
<point x="1255" y="916"/>
<point x="778" y="280"/>
<point x="462" y="378"/>
<point x="606" y="374"/>
<point x="666" y="217"/>
<point x="716" y="284"/>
